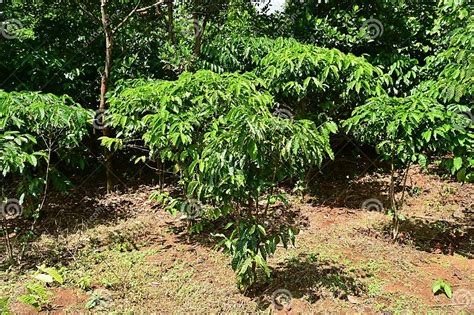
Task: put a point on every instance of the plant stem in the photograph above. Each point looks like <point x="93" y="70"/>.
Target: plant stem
<point x="45" y="192"/>
<point x="404" y="184"/>
<point x="393" y="204"/>
<point x="7" y="240"/>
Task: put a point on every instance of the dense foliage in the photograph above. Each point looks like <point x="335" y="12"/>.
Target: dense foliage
<point x="218" y="132"/>
<point x="229" y="105"/>
<point x="38" y="131"/>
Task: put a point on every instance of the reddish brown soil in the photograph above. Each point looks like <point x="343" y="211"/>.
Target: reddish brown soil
<point x="340" y="234"/>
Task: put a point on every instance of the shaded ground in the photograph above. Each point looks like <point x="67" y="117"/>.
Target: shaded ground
<point x="122" y="253"/>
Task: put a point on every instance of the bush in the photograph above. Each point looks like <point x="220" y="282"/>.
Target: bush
<point x="411" y="130"/>
<point x="230" y="152"/>
<point x="36" y="131"/>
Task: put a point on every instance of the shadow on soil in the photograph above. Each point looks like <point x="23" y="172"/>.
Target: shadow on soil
<point x="311" y="278"/>
<point x="277" y="216"/>
<point x="340" y="183"/>
<point x="82" y="207"/>
<point x="439" y="236"/>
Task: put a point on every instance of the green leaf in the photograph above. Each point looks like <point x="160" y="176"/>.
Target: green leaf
<point x="457" y="163"/>
<point x="253" y="150"/>
<point x="447" y="289"/>
<point x="44" y="278"/>
<point x="52" y="272"/>
<point x="245" y="265"/>
<point x="442" y="285"/>
<point x="263" y="264"/>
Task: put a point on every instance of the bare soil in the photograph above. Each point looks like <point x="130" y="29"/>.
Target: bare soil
<point x="127" y="254"/>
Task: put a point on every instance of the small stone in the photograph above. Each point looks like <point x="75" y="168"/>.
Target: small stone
<point x="353" y="299"/>
<point x="458" y="214"/>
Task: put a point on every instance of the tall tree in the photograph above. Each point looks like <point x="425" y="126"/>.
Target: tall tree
<point x="110" y="30"/>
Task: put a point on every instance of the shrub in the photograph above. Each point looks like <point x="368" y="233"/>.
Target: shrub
<point x="230" y="152"/>
<point x="36" y="131"/>
<point x="411" y="130"/>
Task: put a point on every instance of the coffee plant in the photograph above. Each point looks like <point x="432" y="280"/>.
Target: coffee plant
<point x="37" y="133"/>
<point x="230" y="106"/>
<point x="413" y="130"/>
<point x="231" y="153"/>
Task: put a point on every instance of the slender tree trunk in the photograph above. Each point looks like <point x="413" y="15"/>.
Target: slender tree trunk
<point x="270" y="196"/>
<point x="257" y="208"/>
<point x="46" y="177"/>
<point x="171" y="35"/>
<point x="8" y="244"/>
<point x="393" y="203"/>
<point x="198" y="33"/>
<point x="402" y="200"/>
<point x="105" y="85"/>
<point x="268" y="203"/>
<point x="160" y="166"/>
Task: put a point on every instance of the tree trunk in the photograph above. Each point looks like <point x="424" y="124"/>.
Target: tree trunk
<point x="198" y="33"/>
<point x="105" y="84"/>
<point x="171" y="35"/>
<point x="8" y="244"/>
<point x="393" y="203"/>
<point x="402" y="199"/>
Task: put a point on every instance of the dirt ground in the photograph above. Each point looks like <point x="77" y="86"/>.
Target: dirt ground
<point x="122" y="253"/>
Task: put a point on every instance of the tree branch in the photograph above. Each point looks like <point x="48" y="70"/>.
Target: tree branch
<point x="125" y="20"/>
<point x="151" y="6"/>
<point x="88" y="12"/>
